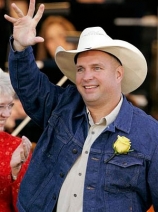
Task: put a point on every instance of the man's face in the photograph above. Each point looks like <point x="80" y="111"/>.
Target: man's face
<point x="98" y="77"/>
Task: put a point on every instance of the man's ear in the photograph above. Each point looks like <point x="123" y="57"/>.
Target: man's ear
<point x="120" y="73"/>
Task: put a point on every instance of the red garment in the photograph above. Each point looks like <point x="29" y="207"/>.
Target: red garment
<point x="8" y="187"/>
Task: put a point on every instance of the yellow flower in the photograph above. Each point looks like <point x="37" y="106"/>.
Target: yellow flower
<point x="122" y="145"/>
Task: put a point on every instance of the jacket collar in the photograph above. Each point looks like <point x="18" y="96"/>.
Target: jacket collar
<point x="124" y="119"/>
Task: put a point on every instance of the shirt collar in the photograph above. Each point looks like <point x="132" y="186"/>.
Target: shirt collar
<point x="107" y="120"/>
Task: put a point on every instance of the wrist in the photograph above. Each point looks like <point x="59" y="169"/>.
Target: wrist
<point x="17" y="46"/>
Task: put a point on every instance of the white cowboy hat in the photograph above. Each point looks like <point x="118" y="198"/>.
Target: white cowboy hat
<point x="95" y="38"/>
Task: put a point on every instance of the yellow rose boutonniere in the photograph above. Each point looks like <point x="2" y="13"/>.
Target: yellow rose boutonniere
<point x="121" y="146"/>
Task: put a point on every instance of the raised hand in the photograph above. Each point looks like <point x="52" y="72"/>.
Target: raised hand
<point x="20" y="155"/>
<point x="24" y="27"/>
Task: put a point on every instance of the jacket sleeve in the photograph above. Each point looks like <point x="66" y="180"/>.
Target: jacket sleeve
<point x="37" y="94"/>
<point x="153" y="181"/>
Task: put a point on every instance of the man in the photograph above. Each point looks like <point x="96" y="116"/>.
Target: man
<point x="97" y="152"/>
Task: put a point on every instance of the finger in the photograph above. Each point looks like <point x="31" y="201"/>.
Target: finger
<point x="37" y="40"/>
<point x="39" y="14"/>
<point x="26" y="150"/>
<point x="25" y="139"/>
<point x="31" y="8"/>
<point x="17" y="10"/>
<point x="10" y="19"/>
<point x="26" y="147"/>
<point x="22" y="157"/>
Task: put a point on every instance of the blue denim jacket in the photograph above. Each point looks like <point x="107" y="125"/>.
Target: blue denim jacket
<point x="127" y="183"/>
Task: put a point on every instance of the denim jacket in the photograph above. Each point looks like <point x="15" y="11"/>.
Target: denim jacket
<point x="127" y="183"/>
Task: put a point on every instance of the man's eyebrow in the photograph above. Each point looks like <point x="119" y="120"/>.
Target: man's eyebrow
<point x="79" y="66"/>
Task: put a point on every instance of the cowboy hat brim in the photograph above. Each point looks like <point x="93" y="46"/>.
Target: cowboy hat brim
<point x="133" y="61"/>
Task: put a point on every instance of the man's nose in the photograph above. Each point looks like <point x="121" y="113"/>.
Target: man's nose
<point x="88" y="74"/>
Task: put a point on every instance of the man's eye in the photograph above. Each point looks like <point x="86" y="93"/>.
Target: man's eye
<point x="97" y="68"/>
<point x="79" y="69"/>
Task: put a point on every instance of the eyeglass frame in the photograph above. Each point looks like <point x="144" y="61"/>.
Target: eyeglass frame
<point x="9" y="107"/>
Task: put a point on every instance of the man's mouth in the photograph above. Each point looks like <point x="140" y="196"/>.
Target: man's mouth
<point x="90" y="86"/>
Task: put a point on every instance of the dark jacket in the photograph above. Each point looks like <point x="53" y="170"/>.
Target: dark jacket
<point x="128" y="182"/>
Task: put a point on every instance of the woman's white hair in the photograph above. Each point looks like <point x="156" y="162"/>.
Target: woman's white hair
<point x="5" y="84"/>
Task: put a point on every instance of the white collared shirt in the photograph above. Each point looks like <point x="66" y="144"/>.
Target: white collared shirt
<point x="71" y="193"/>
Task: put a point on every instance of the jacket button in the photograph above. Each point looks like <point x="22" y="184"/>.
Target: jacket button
<point x="74" y="151"/>
<point x="61" y="175"/>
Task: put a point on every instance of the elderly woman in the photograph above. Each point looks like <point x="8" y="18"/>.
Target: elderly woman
<point x="14" y="152"/>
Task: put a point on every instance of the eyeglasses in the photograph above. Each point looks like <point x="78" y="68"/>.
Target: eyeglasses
<point x="4" y="107"/>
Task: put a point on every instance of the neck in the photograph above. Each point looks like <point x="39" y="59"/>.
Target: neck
<point x="99" y="111"/>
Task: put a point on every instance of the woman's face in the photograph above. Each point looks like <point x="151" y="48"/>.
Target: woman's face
<point x="56" y="36"/>
<point x="6" y="104"/>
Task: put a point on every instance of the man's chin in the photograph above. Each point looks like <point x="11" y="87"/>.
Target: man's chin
<point x="91" y="102"/>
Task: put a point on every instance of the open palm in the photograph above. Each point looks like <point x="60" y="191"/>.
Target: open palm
<point x="24" y="27"/>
